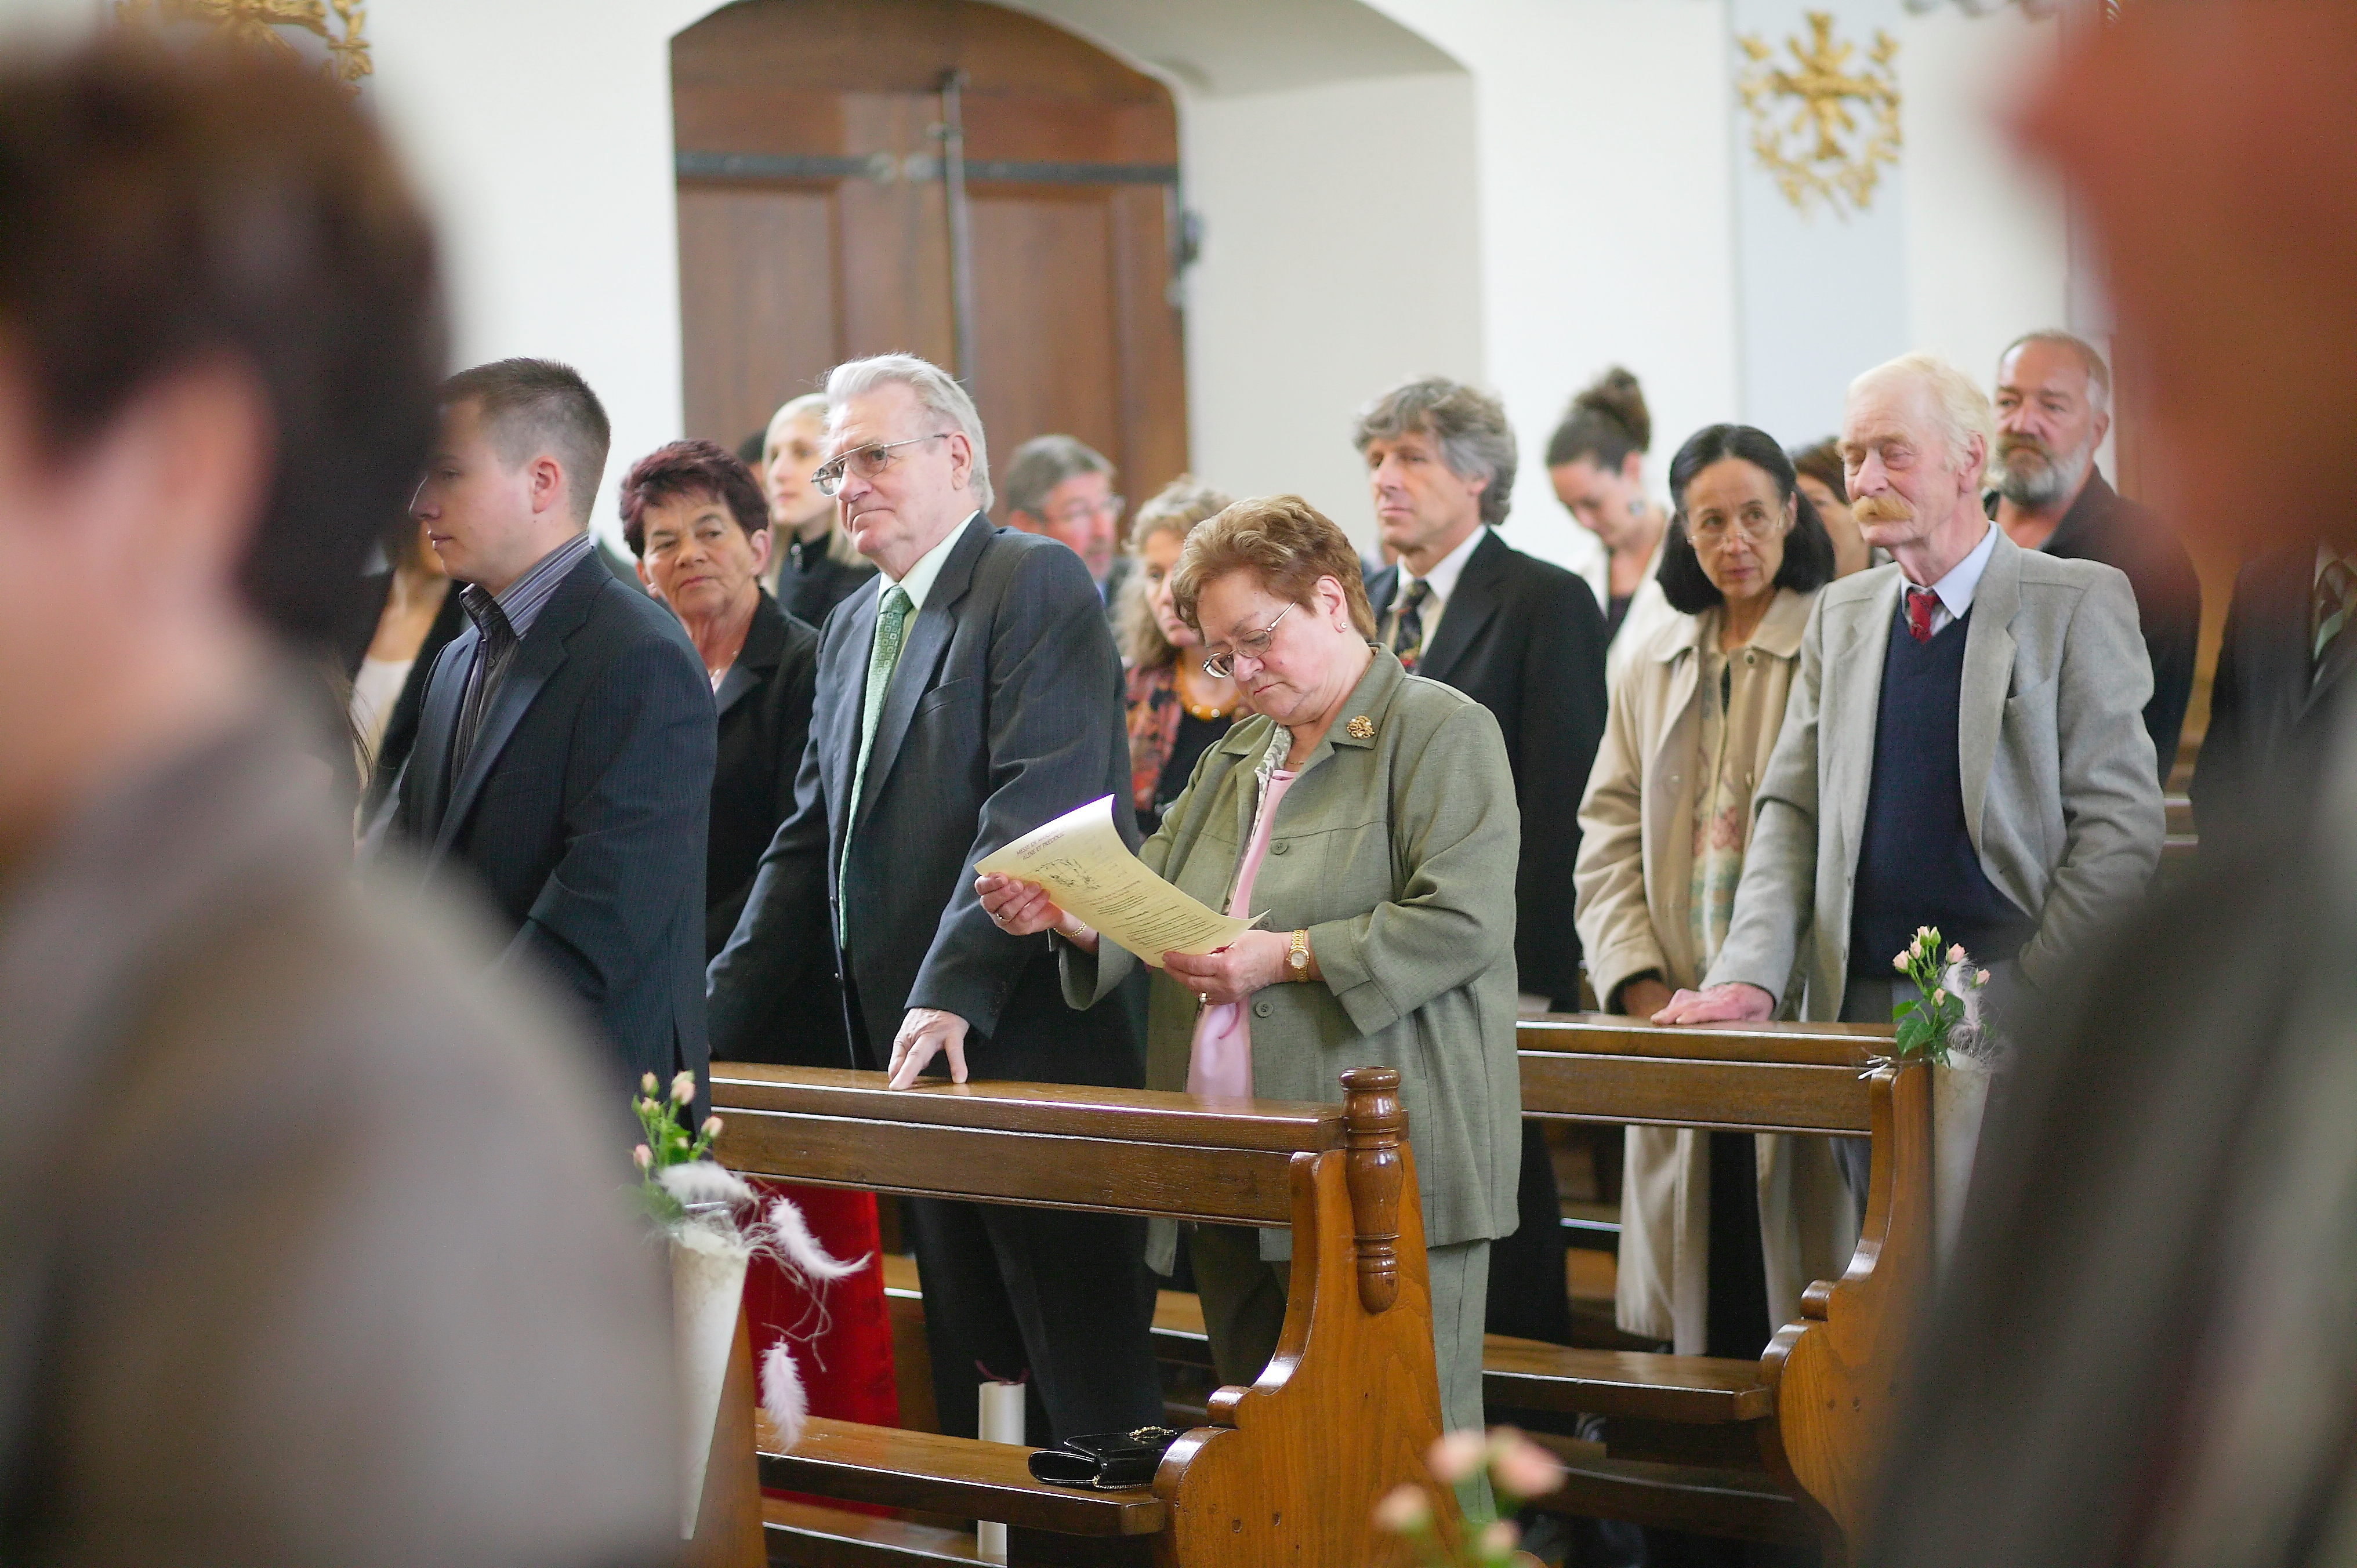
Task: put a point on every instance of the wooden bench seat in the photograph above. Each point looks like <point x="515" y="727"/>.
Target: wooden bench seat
<point x="1699" y="1391"/>
<point x="1286" y="1470"/>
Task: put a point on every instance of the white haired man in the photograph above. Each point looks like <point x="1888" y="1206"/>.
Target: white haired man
<point x="1964" y="746"/>
<point x="2054" y="407"/>
<point x="970" y="696"/>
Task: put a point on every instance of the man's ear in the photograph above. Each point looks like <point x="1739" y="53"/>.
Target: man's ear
<point x="961" y="461"/>
<point x="2103" y="428"/>
<point x="546" y="478"/>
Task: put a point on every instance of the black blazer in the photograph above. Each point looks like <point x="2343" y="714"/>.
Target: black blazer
<point x="765" y="711"/>
<point x="810" y="585"/>
<point x="2265" y="711"/>
<point x="581" y="814"/>
<point x="1523" y="638"/>
<point x="401" y="725"/>
<point x="1005" y="711"/>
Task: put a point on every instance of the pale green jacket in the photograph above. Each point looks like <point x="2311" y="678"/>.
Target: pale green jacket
<point x="1396" y="849"/>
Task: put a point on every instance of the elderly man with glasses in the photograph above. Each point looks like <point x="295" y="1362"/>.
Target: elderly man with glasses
<point x="969" y="696"/>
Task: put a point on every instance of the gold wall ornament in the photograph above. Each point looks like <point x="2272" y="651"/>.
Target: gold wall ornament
<point x="1822" y="151"/>
<point x="339" y="25"/>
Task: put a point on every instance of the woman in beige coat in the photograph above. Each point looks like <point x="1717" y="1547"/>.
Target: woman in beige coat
<point x="1719" y="1232"/>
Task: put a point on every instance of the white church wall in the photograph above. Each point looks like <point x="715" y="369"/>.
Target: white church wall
<point x="1341" y="253"/>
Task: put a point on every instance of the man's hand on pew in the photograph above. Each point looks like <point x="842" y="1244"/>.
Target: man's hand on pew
<point x="923" y="1033"/>
<point x="1733" y="1002"/>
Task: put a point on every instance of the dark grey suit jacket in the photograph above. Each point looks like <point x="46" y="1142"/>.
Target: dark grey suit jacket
<point x="581" y="814"/>
<point x="2264" y="707"/>
<point x="1523" y="637"/>
<point x="1005" y="711"/>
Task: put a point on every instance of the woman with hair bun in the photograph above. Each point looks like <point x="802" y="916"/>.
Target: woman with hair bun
<point x="1719" y="1231"/>
<point x="1595" y="460"/>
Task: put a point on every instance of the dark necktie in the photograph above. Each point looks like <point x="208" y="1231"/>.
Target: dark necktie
<point x="1921" y="603"/>
<point x="496" y="641"/>
<point x="1407" y="634"/>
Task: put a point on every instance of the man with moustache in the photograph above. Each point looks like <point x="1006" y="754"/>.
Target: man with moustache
<point x="1963" y="746"/>
<point x="2054" y="409"/>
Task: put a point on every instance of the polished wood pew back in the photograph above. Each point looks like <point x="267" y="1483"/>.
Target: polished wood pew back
<point x="1286" y="1470"/>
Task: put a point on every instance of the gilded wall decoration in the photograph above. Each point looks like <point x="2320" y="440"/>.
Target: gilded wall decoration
<point x="1823" y="126"/>
<point x="339" y="25"/>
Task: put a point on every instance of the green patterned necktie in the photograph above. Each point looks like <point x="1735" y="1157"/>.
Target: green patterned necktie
<point x="889" y="619"/>
<point x="2336" y="587"/>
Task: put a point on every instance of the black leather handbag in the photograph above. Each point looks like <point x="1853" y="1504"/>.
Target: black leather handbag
<point x="1105" y="1461"/>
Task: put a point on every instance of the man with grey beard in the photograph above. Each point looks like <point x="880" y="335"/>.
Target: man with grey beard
<point x="2054" y="407"/>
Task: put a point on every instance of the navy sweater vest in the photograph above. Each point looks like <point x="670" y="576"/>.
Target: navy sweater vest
<point x="1916" y="863"/>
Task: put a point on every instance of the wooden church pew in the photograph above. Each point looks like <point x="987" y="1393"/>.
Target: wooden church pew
<point x="1782" y="1447"/>
<point x="1286" y="1470"/>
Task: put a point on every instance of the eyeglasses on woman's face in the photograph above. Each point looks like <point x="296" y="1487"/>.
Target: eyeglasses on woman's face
<point x="1254" y="646"/>
<point x="867" y="462"/>
<point x="1757" y="524"/>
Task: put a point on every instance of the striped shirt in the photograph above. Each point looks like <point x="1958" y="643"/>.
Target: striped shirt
<point x="501" y="624"/>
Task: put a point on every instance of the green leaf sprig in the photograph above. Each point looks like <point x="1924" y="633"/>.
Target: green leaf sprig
<point x="668" y="1143"/>
<point x="1927" y="1019"/>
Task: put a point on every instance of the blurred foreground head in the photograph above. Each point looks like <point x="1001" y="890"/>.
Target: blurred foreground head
<point x="221" y="331"/>
<point x="2213" y="146"/>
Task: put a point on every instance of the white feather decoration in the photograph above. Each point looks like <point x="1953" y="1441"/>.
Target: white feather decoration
<point x="781" y="1393"/>
<point x="702" y="1181"/>
<point x="800" y="1250"/>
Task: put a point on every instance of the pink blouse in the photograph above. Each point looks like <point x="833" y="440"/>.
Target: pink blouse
<point x="1220" y="1061"/>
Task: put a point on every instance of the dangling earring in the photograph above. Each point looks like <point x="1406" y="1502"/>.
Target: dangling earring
<point x="1636" y="506"/>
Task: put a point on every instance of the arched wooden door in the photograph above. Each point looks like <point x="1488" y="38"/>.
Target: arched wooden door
<point x="815" y="218"/>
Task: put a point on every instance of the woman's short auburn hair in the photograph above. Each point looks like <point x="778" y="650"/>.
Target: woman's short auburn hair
<point x="1285" y="543"/>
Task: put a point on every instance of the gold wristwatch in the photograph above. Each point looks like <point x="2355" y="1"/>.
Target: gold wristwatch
<point x="1297" y="956"/>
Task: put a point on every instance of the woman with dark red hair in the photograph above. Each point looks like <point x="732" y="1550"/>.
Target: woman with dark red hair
<point x="695" y="518"/>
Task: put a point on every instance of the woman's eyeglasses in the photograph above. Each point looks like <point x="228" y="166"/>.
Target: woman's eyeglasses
<point x="1255" y="648"/>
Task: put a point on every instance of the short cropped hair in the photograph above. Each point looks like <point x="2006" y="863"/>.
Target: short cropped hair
<point x="938" y="394"/>
<point x="1961" y="408"/>
<point x="159" y="210"/>
<point x="1042" y="463"/>
<point x="532" y="406"/>
<point x="1285" y="543"/>
<point x="1470" y="425"/>
<point x="2099" y="374"/>
<point x="1607" y="421"/>
<point x="1181" y="507"/>
<point x="703" y="470"/>
<point x="1809" y="561"/>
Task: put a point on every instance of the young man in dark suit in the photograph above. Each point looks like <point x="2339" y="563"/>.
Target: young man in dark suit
<point x="565" y="750"/>
<point x="970" y="696"/>
<point x="1523" y="638"/>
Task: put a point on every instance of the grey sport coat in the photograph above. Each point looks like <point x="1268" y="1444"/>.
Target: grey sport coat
<point x="2061" y="792"/>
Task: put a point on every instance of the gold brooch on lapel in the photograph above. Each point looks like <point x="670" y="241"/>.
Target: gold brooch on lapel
<point x="1362" y="728"/>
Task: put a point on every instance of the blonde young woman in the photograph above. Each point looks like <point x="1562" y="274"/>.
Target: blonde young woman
<point x="1177" y="710"/>
<point x="1719" y="1232"/>
<point x="813" y="567"/>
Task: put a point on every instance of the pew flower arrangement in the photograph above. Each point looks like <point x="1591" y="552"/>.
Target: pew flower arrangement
<point x="1946" y="1011"/>
<point x="1519" y="1470"/>
<point x="714" y="1224"/>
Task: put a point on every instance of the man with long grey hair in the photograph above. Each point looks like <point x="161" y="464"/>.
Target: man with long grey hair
<point x="1524" y="639"/>
<point x="969" y="696"/>
<point x="2054" y="407"/>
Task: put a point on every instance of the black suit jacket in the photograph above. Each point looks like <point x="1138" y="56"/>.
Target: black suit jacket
<point x="1523" y="638"/>
<point x="401" y="725"/>
<point x="581" y="814"/>
<point x="810" y="585"/>
<point x="765" y="712"/>
<point x="1005" y="711"/>
<point x="2264" y="708"/>
<point x="2103" y="525"/>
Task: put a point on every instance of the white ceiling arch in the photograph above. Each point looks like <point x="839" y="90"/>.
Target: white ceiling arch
<point x="1223" y="48"/>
